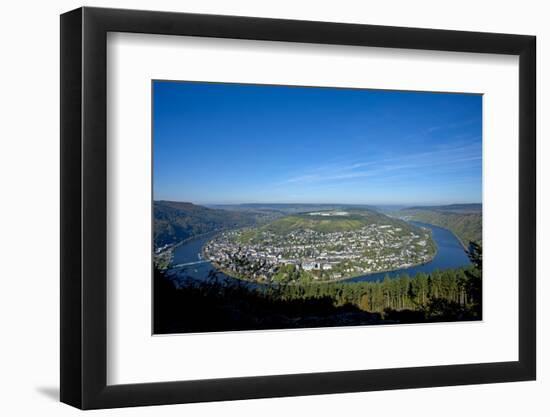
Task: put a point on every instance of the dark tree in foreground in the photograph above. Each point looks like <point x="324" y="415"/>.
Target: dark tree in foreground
<point x="475" y="281"/>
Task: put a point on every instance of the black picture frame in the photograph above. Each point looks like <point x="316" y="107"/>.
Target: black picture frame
<point x="84" y="207"/>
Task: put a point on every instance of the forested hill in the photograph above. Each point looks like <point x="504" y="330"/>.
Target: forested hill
<point x="464" y="220"/>
<point x="342" y="221"/>
<point x="176" y="221"/>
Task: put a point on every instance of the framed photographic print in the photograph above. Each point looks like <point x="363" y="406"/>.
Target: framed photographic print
<point x="257" y="207"/>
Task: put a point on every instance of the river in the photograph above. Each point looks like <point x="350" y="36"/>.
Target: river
<point x="450" y="254"/>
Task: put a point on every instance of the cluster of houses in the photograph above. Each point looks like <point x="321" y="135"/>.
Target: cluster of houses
<point x="325" y="256"/>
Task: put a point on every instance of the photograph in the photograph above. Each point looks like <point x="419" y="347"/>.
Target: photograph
<point x="284" y="207"/>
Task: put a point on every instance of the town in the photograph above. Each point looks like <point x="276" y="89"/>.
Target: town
<point x="306" y="255"/>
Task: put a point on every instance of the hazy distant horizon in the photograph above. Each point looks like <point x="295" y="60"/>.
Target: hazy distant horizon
<point x="315" y="203"/>
<point x="217" y="143"/>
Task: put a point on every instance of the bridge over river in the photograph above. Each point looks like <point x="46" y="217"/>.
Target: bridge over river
<point x="187" y="264"/>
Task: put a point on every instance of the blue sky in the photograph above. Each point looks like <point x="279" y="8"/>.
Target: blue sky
<point x="236" y="143"/>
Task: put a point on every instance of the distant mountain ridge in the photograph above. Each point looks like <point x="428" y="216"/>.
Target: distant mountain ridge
<point x="287" y="208"/>
<point x="451" y="208"/>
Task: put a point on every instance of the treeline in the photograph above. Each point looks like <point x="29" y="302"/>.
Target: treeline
<point x="220" y="305"/>
<point x="459" y="289"/>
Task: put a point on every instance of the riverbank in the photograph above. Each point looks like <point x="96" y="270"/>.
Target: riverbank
<point x="169" y="251"/>
<point x="361" y="265"/>
<point x="342" y="279"/>
<point x="449" y="255"/>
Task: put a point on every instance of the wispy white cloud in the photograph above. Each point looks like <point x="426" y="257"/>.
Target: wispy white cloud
<point x="441" y="159"/>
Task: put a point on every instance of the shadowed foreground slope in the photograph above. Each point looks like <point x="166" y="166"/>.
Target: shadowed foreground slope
<point x="453" y="295"/>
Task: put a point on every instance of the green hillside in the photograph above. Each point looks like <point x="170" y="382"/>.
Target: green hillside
<point x="323" y="223"/>
<point x="465" y="222"/>
<point x="315" y="223"/>
<point x="176" y="221"/>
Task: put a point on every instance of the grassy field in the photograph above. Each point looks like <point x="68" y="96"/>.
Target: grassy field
<point x="316" y="223"/>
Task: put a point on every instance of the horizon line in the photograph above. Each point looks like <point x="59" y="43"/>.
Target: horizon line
<point x="316" y="203"/>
